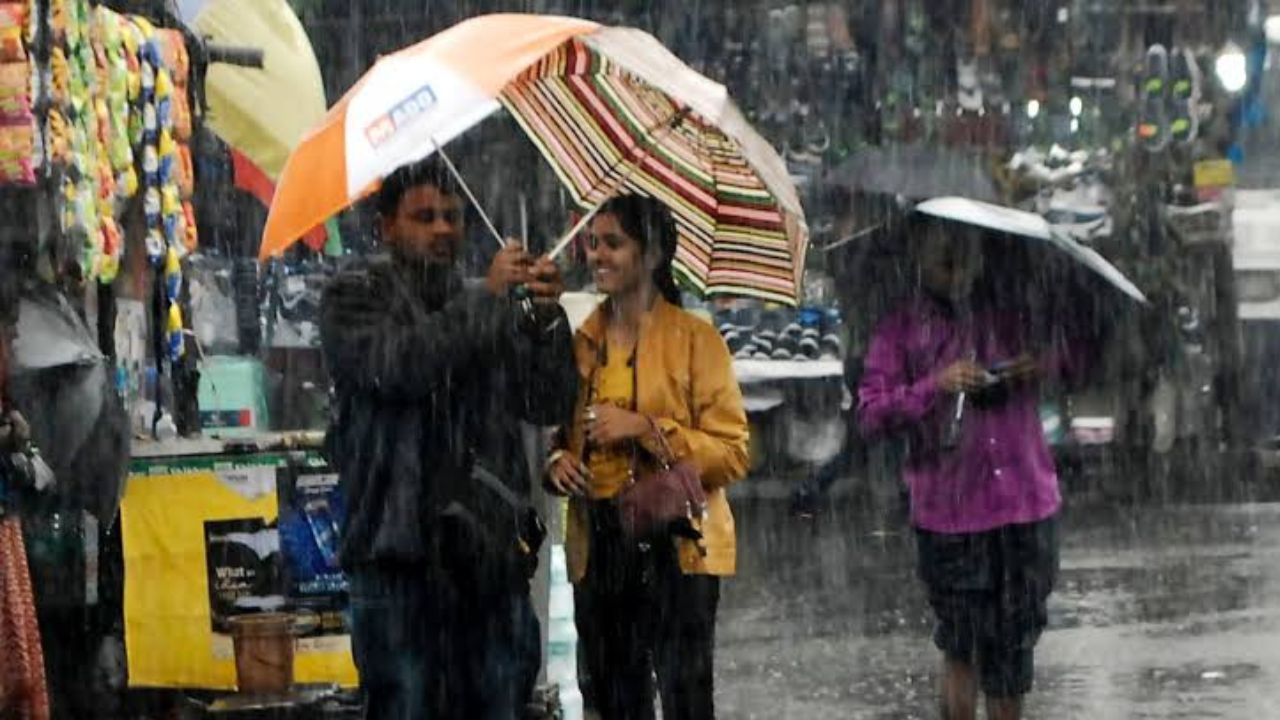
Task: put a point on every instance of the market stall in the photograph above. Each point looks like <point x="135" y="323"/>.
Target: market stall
<point x="100" y="110"/>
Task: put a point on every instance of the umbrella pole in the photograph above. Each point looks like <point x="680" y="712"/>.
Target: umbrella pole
<point x="470" y="195"/>
<point x="573" y="232"/>
<point x="568" y="237"/>
<point x="851" y="238"/>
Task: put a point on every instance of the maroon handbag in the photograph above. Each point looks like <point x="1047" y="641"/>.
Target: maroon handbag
<point x="665" y="501"/>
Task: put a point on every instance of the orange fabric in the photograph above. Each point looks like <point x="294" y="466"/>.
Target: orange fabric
<point x="23" y="694"/>
<point x="312" y="188"/>
<point x="313" y="185"/>
<point x="685" y="381"/>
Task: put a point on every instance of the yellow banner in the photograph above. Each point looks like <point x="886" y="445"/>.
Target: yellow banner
<point x="178" y="518"/>
<point x="1214" y="174"/>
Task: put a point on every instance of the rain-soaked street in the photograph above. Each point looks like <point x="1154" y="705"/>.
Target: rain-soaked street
<point x="1160" y="612"/>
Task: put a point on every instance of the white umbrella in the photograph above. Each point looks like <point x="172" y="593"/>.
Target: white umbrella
<point x="1029" y="225"/>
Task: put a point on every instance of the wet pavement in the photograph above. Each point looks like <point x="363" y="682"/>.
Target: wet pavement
<point x="1160" y="612"/>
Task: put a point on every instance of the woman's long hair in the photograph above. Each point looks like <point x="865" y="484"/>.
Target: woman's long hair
<point x="649" y="221"/>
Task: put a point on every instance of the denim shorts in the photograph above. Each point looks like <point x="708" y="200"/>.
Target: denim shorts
<point x="989" y="591"/>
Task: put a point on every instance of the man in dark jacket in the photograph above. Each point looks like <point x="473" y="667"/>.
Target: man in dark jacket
<point x="431" y="377"/>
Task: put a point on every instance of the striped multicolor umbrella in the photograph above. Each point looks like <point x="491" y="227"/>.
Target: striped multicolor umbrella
<point x="610" y="108"/>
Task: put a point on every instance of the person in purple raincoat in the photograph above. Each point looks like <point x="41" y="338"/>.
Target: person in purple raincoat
<point x="953" y="372"/>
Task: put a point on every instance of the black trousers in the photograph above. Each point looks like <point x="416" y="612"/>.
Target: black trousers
<point x="639" y="616"/>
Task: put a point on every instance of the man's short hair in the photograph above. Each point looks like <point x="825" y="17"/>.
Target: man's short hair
<point x="431" y="171"/>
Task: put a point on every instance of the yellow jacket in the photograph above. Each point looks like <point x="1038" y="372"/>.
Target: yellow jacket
<point x="685" y="381"/>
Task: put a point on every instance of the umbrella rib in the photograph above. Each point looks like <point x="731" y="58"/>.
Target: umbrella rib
<point x="470" y="195"/>
<point x="666" y="126"/>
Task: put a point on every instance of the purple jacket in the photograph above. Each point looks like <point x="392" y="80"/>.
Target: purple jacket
<point x="998" y="471"/>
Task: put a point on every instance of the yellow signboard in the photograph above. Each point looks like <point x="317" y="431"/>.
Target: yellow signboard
<point x="199" y="537"/>
<point x="1211" y="174"/>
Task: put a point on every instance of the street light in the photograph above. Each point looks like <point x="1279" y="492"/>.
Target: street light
<point x="1231" y="68"/>
<point x="1271" y="29"/>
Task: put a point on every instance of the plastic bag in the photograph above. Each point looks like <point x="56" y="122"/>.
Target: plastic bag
<point x="17" y="171"/>
<point x="17" y="139"/>
<point x="173" y="55"/>
<point x="184" y="174"/>
<point x="13" y="32"/>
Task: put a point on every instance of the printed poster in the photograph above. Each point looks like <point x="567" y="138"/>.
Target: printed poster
<point x="205" y="539"/>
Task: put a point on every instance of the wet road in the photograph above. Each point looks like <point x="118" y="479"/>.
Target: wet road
<point x="1170" y="612"/>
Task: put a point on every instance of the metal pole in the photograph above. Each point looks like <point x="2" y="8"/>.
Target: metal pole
<point x="470" y="195"/>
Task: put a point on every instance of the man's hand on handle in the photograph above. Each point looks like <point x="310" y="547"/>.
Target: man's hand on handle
<point x="510" y="267"/>
<point x="546" y="284"/>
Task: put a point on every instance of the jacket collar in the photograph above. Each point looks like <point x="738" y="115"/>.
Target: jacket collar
<point x="596" y="325"/>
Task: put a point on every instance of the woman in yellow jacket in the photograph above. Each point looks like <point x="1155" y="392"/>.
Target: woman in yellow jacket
<point x="646" y="367"/>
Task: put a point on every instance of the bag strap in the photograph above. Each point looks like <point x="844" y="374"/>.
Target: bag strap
<point x="499" y="488"/>
<point x="666" y="456"/>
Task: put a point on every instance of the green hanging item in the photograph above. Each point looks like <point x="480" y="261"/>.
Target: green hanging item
<point x="333" y="241"/>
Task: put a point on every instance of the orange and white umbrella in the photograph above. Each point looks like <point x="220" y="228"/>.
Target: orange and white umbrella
<point x="610" y="108"/>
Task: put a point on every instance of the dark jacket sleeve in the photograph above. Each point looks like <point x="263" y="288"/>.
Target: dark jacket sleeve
<point x="543" y="370"/>
<point x="376" y="342"/>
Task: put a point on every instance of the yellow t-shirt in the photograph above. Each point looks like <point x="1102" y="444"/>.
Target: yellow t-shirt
<point x="614" y="385"/>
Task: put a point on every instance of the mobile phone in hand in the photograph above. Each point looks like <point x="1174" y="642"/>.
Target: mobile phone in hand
<point x="999" y="372"/>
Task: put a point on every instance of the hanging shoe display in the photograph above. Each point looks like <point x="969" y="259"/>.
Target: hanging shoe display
<point x="1153" y="109"/>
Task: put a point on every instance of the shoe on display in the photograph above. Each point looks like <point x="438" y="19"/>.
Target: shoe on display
<point x="736" y="340"/>
<point x="817" y="36"/>
<point x="788" y="345"/>
<point x="1081" y="211"/>
<point x="781" y="353"/>
<point x="991" y="82"/>
<point x="1195" y="224"/>
<point x="1184" y="73"/>
<point x="969" y="89"/>
<point x="832" y="348"/>
<point x="1184" y="119"/>
<point x="810" y="349"/>
<point x="1153" y="110"/>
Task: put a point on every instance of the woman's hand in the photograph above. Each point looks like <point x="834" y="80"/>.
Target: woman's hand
<point x="566" y="475"/>
<point x="610" y="425"/>
<point x="1023" y="369"/>
<point x="963" y="376"/>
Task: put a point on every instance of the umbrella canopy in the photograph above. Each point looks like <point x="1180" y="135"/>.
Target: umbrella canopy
<point x="65" y="389"/>
<point x="612" y="111"/>
<point x="917" y="172"/>
<point x="1028" y="225"/>
<point x="261" y="112"/>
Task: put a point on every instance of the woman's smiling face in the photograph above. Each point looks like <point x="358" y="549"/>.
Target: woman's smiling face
<point x="616" y="259"/>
